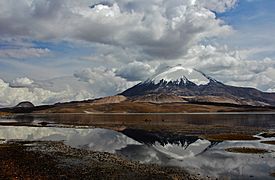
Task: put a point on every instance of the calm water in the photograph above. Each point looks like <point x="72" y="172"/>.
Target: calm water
<point x="260" y="120"/>
<point x="194" y="154"/>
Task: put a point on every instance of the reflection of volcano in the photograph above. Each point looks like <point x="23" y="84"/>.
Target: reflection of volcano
<point x="162" y="146"/>
<point x="213" y="143"/>
<point x="163" y="154"/>
<point x="198" y="155"/>
<point x="151" y="138"/>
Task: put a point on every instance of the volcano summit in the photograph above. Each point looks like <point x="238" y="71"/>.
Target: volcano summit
<point x="194" y="86"/>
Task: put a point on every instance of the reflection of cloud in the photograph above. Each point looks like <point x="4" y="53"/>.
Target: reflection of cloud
<point x="182" y="151"/>
<point x="214" y="162"/>
<point x="144" y="154"/>
<point x="164" y="154"/>
<point x="94" y="139"/>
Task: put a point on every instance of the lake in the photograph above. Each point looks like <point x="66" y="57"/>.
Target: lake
<point x="148" y="139"/>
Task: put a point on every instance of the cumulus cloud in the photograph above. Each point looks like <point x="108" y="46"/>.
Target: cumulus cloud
<point x="135" y="71"/>
<point x="145" y="30"/>
<point x="112" y="56"/>
<point x="229" y="67"/>
<point x="85" y="84"/>
<point x="22" y="82"/>
<point x="157" y="28"/>
<point x="103" y="81"/>
<point x="218" y="6"/>
<point x="10" y="96"/>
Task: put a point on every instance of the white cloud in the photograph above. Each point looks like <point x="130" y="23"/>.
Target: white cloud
<point x="229" y="67"/>
<point x="103" y="81"/>
<point x="22" y="82"/>
<point x="24" y="53"/>
<point x="157" y="28"/>
<point x="111" y="56"/>
<point x="219" y="6"/>
<point x="135" y="71"/>
<point x="85" y="84"/>
<point x="10" y="96"/>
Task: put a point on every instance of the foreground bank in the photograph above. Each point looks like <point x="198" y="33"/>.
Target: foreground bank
<point x="54" y="160"/>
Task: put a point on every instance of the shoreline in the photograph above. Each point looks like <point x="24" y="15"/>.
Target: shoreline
<point x="157" y="113"/>
<point x="47" y="160"/>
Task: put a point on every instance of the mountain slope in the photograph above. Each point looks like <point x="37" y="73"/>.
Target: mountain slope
<point x="193" y="85"/>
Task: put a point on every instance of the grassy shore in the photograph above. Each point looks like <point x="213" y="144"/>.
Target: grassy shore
<point x="268" y="142"/>
<point x="247" y="150"/>
<point x="230" y="137"/>
<point x="4" y="114"/>
<point x="268" y="134"/>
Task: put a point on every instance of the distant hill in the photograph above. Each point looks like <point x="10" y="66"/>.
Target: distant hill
<point x="25" y="104"/>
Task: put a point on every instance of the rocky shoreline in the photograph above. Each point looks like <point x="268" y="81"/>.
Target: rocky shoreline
<point x="54" y="160"/>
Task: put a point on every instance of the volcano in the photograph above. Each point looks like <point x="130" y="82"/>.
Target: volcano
<point x="190" y="85"/>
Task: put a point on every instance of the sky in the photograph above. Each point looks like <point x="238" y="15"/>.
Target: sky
<point x="63" y="50"/>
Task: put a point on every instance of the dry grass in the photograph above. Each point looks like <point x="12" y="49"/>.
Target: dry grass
<point x="129" y="106"/>
<point x="268" y="134"/>
<point x="139" y="107"/>
<point x="229" y="137"/>
<point x="247" y="150"/>
<point x="4" y="114"/>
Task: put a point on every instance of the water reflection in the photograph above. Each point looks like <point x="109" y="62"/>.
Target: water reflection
<point x="164" y="154"/>
<point x="190" y="152"/>
<point x="25" y="119"/>
<point x="208" y="158"/>
<point x="95" y="139"/>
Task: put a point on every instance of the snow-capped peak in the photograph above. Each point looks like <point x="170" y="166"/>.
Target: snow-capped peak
<point x="179" y="74"/>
